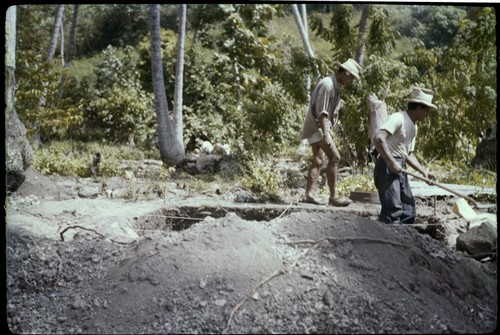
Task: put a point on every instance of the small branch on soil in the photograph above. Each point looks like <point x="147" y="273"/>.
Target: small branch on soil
<point x="92" y="230"/>
<point x="286" y="210"/>
<point x="225" y="210"/>
<point x="176" y="217"/>
<point x="408" y="291"/>
<point x="264" y="281"/>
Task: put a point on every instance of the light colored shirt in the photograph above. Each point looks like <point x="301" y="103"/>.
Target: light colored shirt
<point x="403" y="132"/>
<point x="325" y="99"/>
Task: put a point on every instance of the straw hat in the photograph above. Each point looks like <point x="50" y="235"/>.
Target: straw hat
<point x="422" y="96"/>
<point x="352" y="67"/>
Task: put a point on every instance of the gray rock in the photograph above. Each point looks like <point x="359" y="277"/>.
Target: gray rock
<point x="18" y="152"/>
<point x="478" y="240"/>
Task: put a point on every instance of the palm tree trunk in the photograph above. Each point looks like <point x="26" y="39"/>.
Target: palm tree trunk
<point x="179" y="75"/>
<point x="10" y="57"/>
<point x="363" y="27"/>
<point x="71" y="50"/>
<point x="55" y="32"/>
<point x="305" y="26"/>
<point x="171" y="150"/>
<point x="304" y="36"/>
<point x="54" y="37"/>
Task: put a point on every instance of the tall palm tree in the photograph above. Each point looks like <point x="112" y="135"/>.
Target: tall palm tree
<point x="71" y="50"/>
<point x="171" y="150"/>
<point x="55" y="32"/>
<point x="363" y="27"/>
<point x="179" y="75"/>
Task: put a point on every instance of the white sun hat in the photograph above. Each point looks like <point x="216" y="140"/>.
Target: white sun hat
<point x="352" y="67"/>
<point x="422" y="96"/>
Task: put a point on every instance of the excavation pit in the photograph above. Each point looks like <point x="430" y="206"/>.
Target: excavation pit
<point x="182" y="218"/>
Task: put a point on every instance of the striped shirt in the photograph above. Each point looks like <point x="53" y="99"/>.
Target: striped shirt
<point x="325" y="99"/>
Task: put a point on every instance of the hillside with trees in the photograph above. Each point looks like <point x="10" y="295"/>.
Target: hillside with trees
<point x="84" y="73"/>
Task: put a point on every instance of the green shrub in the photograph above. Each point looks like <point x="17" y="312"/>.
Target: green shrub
<point x="121" y="108"/>
<point x="74" y="158"/>
<point x="262" y="179"/>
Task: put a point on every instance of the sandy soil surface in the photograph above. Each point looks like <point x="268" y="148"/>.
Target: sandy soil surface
<point x="202" y="263"/>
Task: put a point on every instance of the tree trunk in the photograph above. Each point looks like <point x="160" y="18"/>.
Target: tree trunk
<point x="55" y="32"/>
<point x="302" y="26"/>
<point x="179" y="76"/>
<point x="171" y="150"/>
<point x="18" y="152"/>
<point x="363" y="27"/>
<point x="50" y="56"/>
<point x="71" y="50"/>
<point x="304" y="20"/>
<point x="303" y="34"/>
<point x="306" y="31"/>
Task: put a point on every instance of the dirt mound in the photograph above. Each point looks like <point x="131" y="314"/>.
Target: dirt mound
<point x="135" y="267"/>
<point x="302" y="273"/>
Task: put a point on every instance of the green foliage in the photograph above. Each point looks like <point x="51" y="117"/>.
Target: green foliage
<point x="111" y="24"/>
<point x="70" y="158"/>
<point x="34" y="24"/>
<point x="245" y="73"/>
<point x="274" y="118"/>
<point x="262" y="178"/>
<point x="360" y="182"/>
<point x="463" y="174"/>
<point x="121" y="108"/>
<point x="168" y="50"/>
<point x="381" y="39"/>
<point x="437" y="25"/>
<point x="339" y="32"/>
<point x="208" y="108"/>
<point x="230" y="93"/>
<point x="37" y="98"/>
<point x="465" y="86"/>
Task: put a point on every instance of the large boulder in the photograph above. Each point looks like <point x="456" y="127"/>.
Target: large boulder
<point x="486" y="152"/>
<point x="479" y="240"/>
<point x="18" y="152"/>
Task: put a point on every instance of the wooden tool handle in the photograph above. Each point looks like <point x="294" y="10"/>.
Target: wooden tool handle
<point x="441" y="186"/>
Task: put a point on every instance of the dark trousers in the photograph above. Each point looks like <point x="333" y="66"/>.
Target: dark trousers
<point x="396" y="198"/>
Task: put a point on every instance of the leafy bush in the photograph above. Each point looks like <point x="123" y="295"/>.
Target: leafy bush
<point x="262" y="179"/>
<point x="38" y="102"/>
<point x="121" y="108"/>
<point x="273" y="119"/>
<point x="355" y="183"/>
<point x="74" y="158"/>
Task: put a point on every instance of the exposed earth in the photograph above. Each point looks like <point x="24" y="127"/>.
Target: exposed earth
<point x="81" y="261"/>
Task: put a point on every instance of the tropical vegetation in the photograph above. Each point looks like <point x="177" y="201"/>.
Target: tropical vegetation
<point x="246" y="72"/>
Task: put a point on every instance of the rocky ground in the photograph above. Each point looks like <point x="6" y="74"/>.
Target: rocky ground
<point x="81" y="261"/>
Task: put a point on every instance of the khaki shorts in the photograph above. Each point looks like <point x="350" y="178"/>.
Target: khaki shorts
<point x="316" y="137"/>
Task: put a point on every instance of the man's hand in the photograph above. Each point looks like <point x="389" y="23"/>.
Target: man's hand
<point x="431" y="176"/>
<point x="394" y="167"/>
<point x="327" y="138"/>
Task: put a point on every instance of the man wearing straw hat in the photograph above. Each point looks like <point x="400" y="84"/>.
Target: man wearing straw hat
<point x="320" y="120"/>
<point x="395" y="143"/>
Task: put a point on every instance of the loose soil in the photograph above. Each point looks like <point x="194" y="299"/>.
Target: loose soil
<point x="187" y="262"/>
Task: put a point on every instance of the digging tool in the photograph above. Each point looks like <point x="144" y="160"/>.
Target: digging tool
<point x="466" y="197"/>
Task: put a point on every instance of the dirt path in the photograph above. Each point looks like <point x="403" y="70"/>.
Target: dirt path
<point x="236" y="268"/>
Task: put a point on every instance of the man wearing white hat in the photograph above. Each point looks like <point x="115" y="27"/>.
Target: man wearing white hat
<point x="321" y="117"/>
<point x="395" y="143"/>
